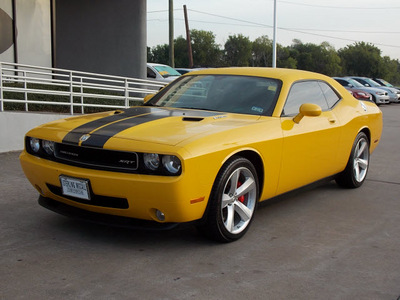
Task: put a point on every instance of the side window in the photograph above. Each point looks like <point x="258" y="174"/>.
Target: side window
<point x="331" y="97"/>
<point x="342" y="82"/>
<point x="150" y="73"/>
<point x="304" y="92"/>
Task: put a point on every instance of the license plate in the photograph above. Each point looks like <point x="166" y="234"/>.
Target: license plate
<point x="75" y="187"/>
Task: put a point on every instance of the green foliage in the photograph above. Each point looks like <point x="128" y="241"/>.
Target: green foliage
<point x="317" y="58"/>
<point x="362" y="59"/>
<point x="238" y="51"/>
<point x="206" y="52"/>
<point x="262" y="52"/>
<point x="159" y="54"/>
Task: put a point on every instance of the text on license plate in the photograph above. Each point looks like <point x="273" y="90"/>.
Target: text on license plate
<point x="78" y="188"/>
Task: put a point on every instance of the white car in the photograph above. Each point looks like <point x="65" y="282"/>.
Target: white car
<point x="162" y="73"/>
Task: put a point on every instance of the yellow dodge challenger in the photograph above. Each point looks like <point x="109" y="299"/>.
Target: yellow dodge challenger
<point x="206" y="148"/>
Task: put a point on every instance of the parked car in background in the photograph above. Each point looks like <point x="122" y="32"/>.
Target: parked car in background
<point x="160" y="72"/>
<point x="360" y="95"/>
<point x="187" y="70"/>
<point x="394" y="94"/>
<point x="379" y="96"/>
<point x="385" y="83"/>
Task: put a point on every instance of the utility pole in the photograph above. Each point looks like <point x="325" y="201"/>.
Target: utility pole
<point x="171" y="34"/>
<point x="274" y="39"/>
<point x="188" y="40"/>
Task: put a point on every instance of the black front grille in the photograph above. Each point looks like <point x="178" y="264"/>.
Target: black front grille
<point x="103" y="159"/>
<point x="96" y="200"/>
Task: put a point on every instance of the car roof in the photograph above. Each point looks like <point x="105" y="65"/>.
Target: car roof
<point x="278" y="73"/>
<point x="155" y="64"/>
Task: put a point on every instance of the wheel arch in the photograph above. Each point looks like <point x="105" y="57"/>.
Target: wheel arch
<point x="256" y="160"/>
<point x="258" y="164"/>
<point x="367" y="133"/>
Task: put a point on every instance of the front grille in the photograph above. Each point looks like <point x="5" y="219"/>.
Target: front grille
<point x="96" y="200"/>
<point x="103" y="159"/>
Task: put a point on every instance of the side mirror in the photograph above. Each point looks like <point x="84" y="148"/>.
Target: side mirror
<point x="350" y="85"/>
<point x="308" y="110"/>
<point x="148" y="97"/>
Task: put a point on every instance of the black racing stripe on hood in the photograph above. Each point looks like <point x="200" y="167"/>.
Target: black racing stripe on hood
<point x="127" y="120"/>
<point x="74" y="135"/>
<point x="101" y="136"/>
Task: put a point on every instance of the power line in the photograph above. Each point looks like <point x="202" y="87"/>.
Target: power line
<point x="338" y="7"/>
<point x="288" y="29"/>
<point x="302" y="31"/>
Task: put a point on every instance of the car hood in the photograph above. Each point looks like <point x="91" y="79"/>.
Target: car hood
<point x="146" y="124"/>
<point x="372" y="90"/>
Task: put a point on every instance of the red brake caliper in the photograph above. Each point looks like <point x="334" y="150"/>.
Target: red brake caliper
<point x="241" y="198"/>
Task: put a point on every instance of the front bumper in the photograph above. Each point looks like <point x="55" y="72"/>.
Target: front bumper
<point x="179" y="198"/>
<point x="88" y="216"/>
<point x="382" y="99"/>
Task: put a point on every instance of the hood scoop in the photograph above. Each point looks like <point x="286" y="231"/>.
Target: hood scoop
<point x="192" y="119"/>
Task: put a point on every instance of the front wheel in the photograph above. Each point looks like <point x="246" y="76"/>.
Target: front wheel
<point x="233" y="201"/>
<point x="357" y="167"/>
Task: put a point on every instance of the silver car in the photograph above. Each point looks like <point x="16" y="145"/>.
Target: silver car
<point x="162" y="73"/>
<point x="394" y="94"/>
<point x="379" y="96"/>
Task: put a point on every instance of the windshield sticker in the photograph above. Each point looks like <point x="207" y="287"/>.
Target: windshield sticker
<point x="257" y="109"/>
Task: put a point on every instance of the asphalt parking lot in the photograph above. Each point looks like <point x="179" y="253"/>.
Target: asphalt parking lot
<point x="320" y="243"/>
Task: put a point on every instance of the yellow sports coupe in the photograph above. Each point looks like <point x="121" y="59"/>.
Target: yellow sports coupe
<point x="206" y="148"/>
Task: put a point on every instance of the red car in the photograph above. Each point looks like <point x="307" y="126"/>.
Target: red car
<point x="359" y="94"/>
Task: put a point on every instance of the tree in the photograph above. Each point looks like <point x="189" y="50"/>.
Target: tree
<point x="206" y="52"/>
<point x="317" y="58"/>
<point x="238" y="51"/>
<point x="262" y="52"/>
<point x="159" y="54"/>
<point x="362" y="59"/>
<point x="181" y="52"/>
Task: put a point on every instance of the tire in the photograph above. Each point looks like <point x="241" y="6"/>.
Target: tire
<point x="232" y="202"/>
<point x="357" y="167"/>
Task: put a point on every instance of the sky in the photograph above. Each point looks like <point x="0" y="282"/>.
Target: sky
<point x="340" y="22"/>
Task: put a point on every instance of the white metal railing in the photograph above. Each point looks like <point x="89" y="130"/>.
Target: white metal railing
<point x="80" y="88"/>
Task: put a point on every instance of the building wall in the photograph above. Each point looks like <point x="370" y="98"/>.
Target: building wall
<point x="6" y="31"/>
<point x="102" y="36"/>
<point x="33" y="19"/>
<point x="18" y="124"/>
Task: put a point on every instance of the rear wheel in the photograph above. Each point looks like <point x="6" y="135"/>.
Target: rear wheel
<point x="357" y="167"/>
<point x="232" y="202"/>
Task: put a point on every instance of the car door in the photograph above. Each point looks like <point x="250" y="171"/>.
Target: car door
<point x="309" y="147"/>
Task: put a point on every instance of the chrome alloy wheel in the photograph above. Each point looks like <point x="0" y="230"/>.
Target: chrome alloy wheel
<point x="238" y="200"/>
<point x="361" y="158"/>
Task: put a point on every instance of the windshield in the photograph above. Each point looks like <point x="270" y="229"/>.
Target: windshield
<point x="372" y="83"/>
<point x="355" y="83"/>
<point x="226" y="93"/>
<point x="384" y="82"/>
<point x="166" y="71"/>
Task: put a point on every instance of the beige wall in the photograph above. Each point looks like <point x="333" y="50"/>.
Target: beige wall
<point x="14" y="126"/>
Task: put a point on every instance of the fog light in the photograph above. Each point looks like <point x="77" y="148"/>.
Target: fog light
<point x="160" y="215"/>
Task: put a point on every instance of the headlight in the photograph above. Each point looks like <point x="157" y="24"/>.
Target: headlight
<point x="48" y="146"/>
<point x="35" y="144"/>
<point x="171" y="163"/>
<point x="151" y="161"/>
